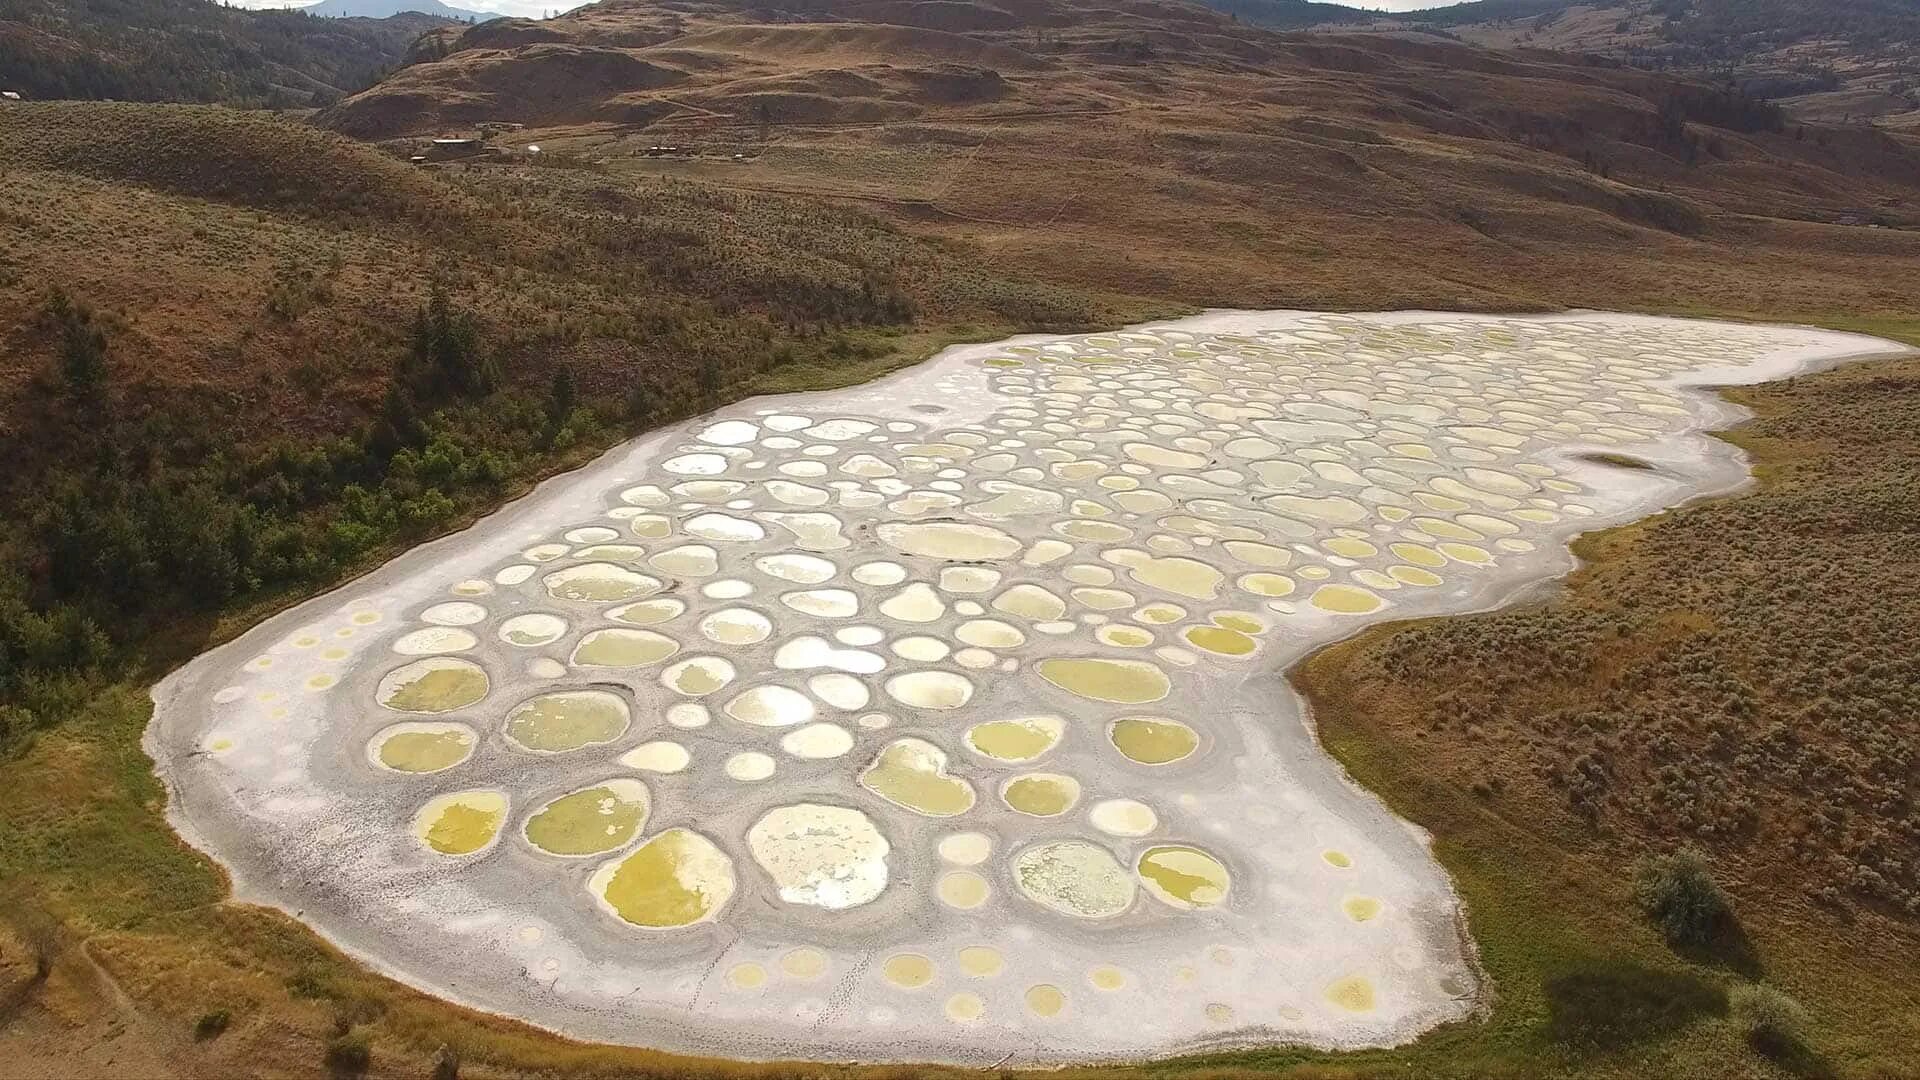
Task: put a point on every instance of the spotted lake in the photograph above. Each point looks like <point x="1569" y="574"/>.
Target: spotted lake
<point x="945" y="717"/>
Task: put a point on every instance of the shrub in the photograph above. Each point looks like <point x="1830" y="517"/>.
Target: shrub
<point x="1678" y="893"/>
<point x="1771" y="1020"/>
<point x="211" y="1024"/>
<point x="83" y="347"/>
<point x="349" y="1053"/>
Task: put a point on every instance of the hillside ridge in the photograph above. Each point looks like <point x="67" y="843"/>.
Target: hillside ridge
<point x="1836" y="60"/>
<point x="195" y="51"/>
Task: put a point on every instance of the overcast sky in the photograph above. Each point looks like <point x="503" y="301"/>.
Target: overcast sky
<point x="537" y="8"/>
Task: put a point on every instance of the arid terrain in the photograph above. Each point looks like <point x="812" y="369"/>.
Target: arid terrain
<point x="246" y="356"/>
<point x="1844" y="61"/>
<point x="1163" y="150"/>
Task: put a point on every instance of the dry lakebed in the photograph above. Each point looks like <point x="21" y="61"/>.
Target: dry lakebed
<point x="944" y="718"/>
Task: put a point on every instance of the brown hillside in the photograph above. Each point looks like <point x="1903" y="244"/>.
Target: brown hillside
<point x="1161" y="148"/>
<point x="266" y="272"/>
<point x="242" y="157"/>
<point x="543" y="82"/>
<point x="1832" y="60"/>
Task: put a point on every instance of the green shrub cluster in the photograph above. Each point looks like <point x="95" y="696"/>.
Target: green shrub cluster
<point x="147" y="531"/>
<point x="1770" y="1019"/>
<point x="1678" y="893"/>
<point x="350" y="1053"/>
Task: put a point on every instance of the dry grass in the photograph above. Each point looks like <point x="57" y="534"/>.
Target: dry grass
<point x="1728" y="676"/>
<point x="1163" y="151"/>
<point x="272" y="269"/>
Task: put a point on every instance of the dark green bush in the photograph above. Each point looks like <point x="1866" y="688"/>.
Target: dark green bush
<point x="1770" y="1020"/>
<point x="83" y="347"/>
<point x="446" y="1063"/>
<point x="211" y="1024"/>
<point x="349" y="1053"/>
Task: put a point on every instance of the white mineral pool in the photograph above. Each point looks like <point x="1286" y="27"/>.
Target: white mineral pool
<point x="943" y="718"/>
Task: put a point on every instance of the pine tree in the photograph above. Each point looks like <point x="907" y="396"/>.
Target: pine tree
<point x="83" y="348"/>
<point x="446" y="362"/>
<point x="562" y="395"/>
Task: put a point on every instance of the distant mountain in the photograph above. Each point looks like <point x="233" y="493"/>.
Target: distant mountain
<point x="1829" y="60"/>
<point x="1290" y="14"/>
<point x="382" y="9"/>
<point x="195" y="51"/>
<point x="1489" y="11"/>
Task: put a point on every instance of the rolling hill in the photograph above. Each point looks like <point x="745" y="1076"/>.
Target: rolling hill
<point x="1163" y="149"/>
<point x="1856" y="60"/>
<point x="1292" y="14"/>
<point x="194" y="51"/>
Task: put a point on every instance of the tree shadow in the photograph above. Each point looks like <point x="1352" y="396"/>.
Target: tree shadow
<point x="1795" y="1058"/>
<point x="1729" y="948"/>
<point x="1608" y="1004"/>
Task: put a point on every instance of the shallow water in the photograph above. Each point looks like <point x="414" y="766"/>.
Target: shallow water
<point x="912" y="773"/>
<point x="1018" y="740"/>
<point x="434" y="685"/>
<point x="676" y="878"/>
<point x="567" y="720"/>
<point x="1153" y="740"/>
<point x="939" y="718"/>
<point x="421" y="748"/>
<point x="1184" y="877"/>
<point x="1119" y="682"/>
<point x="461" y="823"/>
<point x="590" y="821"/>
<point x="1041" y="794"/>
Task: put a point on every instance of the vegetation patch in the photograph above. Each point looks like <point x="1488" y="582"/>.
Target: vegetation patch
<point x="457" y="340"/>
<point x="1774" y="1023"/>
<point x="186" y="50"/>
<point x="1728" y="677"/>
<point x="1678" y="893"/>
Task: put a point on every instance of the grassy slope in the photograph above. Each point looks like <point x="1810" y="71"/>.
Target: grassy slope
<point x="1168" y="152"/>
<point x="274" y="268"/>
<point x="1549" y="896"/>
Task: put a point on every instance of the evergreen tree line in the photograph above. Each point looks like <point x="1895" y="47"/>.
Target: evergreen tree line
<point x="119" y="543"/>
<point x="192" y="51"/>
